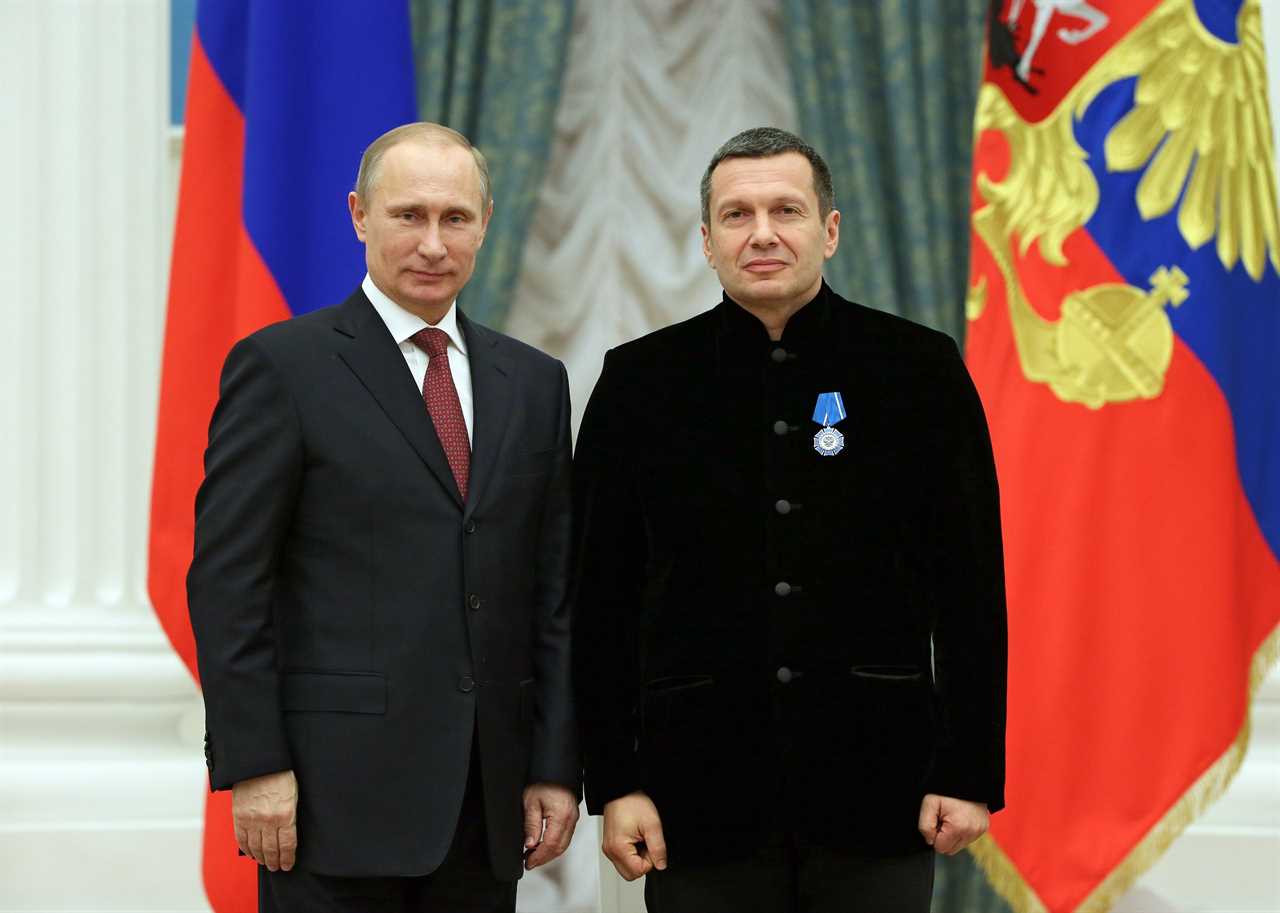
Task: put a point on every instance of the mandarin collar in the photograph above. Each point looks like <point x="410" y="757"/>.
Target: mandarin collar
<point x="807" y="324"/>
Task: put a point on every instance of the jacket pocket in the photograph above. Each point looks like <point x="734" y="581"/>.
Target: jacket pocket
<point x="677" y="703"/>
<point x="669" y="684"/>
<point x="889" y="673"/>
<point x="335" y="692"/>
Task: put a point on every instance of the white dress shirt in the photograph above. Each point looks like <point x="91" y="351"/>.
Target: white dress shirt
<point x="402" y="325"/>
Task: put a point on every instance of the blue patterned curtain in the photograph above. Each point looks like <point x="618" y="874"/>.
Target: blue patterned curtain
<point x="886" y="92"/>
<point x="492" y="69"/>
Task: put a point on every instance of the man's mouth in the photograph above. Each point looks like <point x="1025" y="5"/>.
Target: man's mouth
<point x="764" y="266"/>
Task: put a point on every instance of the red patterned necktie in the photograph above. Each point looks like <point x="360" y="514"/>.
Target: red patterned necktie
<point x="441" y="397"/>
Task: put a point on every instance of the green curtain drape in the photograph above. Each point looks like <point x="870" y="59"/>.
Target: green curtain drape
<point x="491" y="69"/>
<point x="886" y="93"/>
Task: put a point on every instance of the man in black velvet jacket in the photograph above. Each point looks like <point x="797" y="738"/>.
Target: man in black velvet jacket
<point x="790" y="624"/>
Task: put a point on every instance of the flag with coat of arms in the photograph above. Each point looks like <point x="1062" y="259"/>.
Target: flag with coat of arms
<point x="1124" y="328"/>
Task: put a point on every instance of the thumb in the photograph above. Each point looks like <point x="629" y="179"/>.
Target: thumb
<point x="656" y="846"/>
<point x="930" y="809"/>
<point x="532" y="822"/>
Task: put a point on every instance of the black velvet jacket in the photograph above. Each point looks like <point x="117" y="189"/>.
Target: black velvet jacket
<point x="768" y="640"/>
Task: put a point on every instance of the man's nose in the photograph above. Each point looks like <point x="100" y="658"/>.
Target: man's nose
<point x="762" y="233"/>
<point x="430" y="244"/>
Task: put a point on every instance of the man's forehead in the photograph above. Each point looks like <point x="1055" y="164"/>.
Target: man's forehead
<point x="773" y="172"/>
<point x="422" y="152"/>
<point x="442" y="166"/>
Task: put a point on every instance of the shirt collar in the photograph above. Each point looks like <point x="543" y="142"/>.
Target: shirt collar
<point x="402" y="324"/>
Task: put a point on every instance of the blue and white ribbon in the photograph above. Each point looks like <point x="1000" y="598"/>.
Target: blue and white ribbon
<point x="829" y="410"/>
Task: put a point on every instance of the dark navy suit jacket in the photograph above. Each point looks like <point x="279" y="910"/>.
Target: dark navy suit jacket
<point x="355" y="620"/>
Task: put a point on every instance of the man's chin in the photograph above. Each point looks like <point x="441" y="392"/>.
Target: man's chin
<point x="417" y="303"/>
<point x="766" y="289"/>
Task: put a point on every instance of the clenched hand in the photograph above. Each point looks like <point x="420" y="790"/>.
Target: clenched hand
<point x="949" y="825"/>
<point x="265" y="812"/>
<point x="633" y="838"/>
<point x="558" y="807"/>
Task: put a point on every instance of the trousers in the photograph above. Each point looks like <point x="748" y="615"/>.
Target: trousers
<point x="795" y="878"/>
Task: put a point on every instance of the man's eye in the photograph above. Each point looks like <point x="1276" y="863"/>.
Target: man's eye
<point x="407" y="216"/>
<point x="732" y="215"/>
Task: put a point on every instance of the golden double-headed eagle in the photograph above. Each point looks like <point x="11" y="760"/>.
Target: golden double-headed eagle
<point x="1200" y="121"/>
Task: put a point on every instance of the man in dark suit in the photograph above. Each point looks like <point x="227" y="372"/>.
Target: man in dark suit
<point x="789" y="609"/>
<point x="378" y="588"/>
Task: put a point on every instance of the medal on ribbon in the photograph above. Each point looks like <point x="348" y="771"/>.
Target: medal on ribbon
<point x="829" y="410"/>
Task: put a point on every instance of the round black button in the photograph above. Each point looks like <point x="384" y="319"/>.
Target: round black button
<point x="778" y="356"/>
<point x="779" y="428"/>
<point x="473" y="601"/>
<point x="783" y="507"/>
<point x="466" y="684"/>
<point x="782" y="588"/>
<point x="470" y="527"/>
<point x="784" y="675"/>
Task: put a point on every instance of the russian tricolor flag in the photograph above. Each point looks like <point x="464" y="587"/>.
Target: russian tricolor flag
<point x="283" y="97"/>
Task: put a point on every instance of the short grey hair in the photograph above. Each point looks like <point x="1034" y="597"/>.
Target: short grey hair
<point x="764" y="142"/>
<point x="422" y="131"/>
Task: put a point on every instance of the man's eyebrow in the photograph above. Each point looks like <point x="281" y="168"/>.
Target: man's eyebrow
<point x="784" y="199"/>
<point x="413" y="206"/>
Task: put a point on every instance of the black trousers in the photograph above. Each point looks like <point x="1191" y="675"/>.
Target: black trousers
<point x="796" y="879"/>
<point x="464" y="882"/>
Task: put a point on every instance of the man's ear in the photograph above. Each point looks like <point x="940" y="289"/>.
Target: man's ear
<point x="357" y="213"/>
<point x="706" y="244"/>
<point x="833" y="233"/>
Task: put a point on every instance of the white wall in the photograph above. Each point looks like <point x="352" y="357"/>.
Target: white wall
<point x="101" y="776"/>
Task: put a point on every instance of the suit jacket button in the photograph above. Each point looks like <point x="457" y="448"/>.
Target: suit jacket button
<point x="466" y="684"/>
<point x="784" y="675"/>
<point x="778" y="355"/>
<point x="782" y="588"/>
<point x="779" y="428"/>
<point x="783" y="506"/>
<point x="473" y="602"/>
<point x="470" y="527"/>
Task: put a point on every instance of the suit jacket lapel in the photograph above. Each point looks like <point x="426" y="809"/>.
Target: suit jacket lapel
<point x="371" y="353"/>
<point x="491" y="377"/>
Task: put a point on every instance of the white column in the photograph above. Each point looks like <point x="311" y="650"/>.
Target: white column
<point x="100" y="756"/>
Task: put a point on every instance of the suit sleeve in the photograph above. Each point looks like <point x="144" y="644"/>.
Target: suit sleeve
<point x="970" y="638"/>
<point x="608" y="570"/>
<point x="243" y="508"/>
<point x="555" y="751"/>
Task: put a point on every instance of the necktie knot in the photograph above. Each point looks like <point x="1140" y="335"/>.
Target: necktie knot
<point x="432" y="340"/>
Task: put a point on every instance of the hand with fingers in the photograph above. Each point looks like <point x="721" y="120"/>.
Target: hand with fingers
<point x="633" y="839"/>
<point x="949" y="825"/>
<point x="265" y="813"/>
<point x="550" y="815"/>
